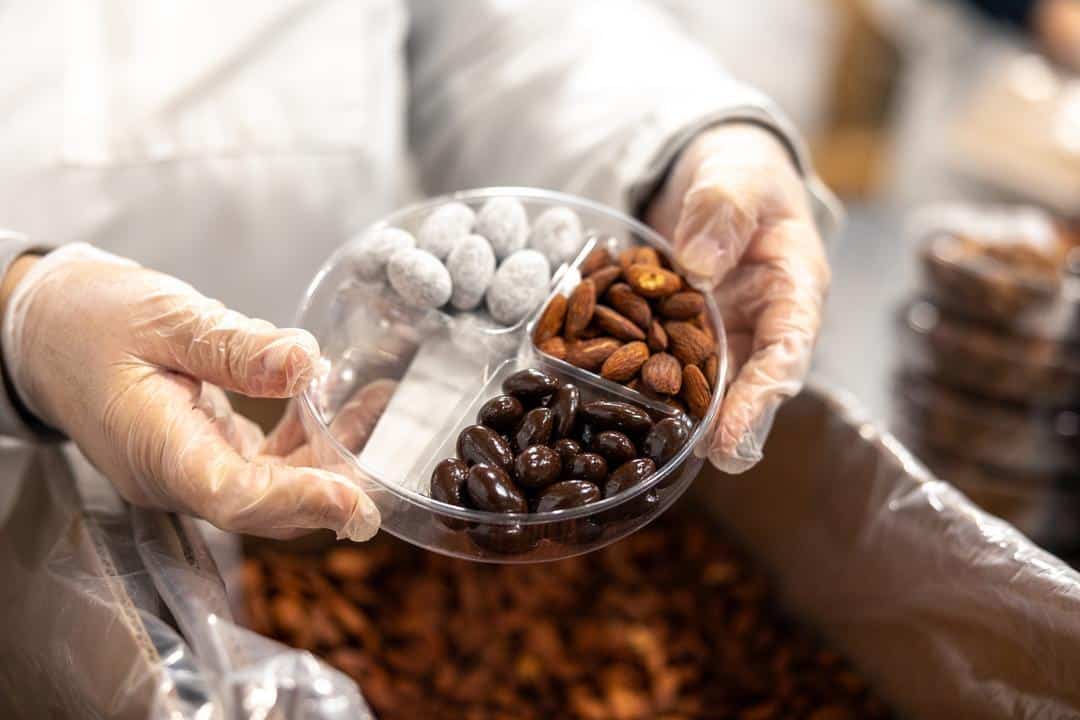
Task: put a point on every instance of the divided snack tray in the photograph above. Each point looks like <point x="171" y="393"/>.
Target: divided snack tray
<point x="446" y="364"/>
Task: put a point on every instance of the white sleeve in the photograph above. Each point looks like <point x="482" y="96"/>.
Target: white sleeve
<point x="15" y="420"/>
<point x="596" y="98"/>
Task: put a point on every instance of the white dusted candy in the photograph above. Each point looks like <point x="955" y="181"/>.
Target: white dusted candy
<point x="374" y="251"/>
<point x="471" y="265"/>
<point x="519" y="285"/>
<point x="419" y="278"/>
<point x="504" y="222"/>
<point x="557" y="233"/>
<point x="445" y="226"/>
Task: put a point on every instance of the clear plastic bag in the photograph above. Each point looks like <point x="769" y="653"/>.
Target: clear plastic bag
<point x="948" y="611"/>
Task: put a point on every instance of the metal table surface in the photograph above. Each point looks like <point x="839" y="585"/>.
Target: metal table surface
<point x="874" y="271"/>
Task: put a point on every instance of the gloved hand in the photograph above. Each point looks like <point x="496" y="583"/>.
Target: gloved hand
<point x="736" y="210"/>
<point x="129" y="364"/>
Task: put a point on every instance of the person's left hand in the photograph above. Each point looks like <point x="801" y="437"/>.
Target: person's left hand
<point x="736" y="210"/>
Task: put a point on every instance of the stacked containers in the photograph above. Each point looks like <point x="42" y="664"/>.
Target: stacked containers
<point x="988" y="387"/>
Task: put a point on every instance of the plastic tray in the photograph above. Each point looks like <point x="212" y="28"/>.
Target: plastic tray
<point x="1009" y="266"/>
<point x="1005" y="437"/>
<point x="449" y="364"/>
<point x="982" y="360"/>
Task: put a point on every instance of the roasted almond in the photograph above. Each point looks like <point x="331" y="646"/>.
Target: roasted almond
<point x="630" y="304"/>
<point x="579" y="310"/>
<point x="687" y="342"/>
<point x="711" y="368"/>
<point x="638" y="255"/>
<point x="550" y="322"/>
<point x="625" y="362"/>
<point x="555" y="347"/>
<point x="616" y="325"/>
<point x="683" y="305"/>
<point x="652" y="282"/>
<point x="591" y="354"/>
<point x="662" y="374"/>
<point x="604" y="277"/>
<point x="657" y="338"/>
<point x="598" y="258"/>
<point x="702" y="323"/>
<point x="695" y="391"/>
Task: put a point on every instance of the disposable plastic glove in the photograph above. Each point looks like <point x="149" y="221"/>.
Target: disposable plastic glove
<point x="115" y="356"/>
<point x="736" y="210"/>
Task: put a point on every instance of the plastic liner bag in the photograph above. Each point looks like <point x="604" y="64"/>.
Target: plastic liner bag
<point x="91" y="596"/>
<point x="948" y="611"/>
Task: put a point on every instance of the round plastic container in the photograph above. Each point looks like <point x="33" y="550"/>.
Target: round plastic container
<point x="1005" y="437"/>
<point x="1012" y="267"/>
<point x="447" y="364"/>
<point x="976" y="358"/>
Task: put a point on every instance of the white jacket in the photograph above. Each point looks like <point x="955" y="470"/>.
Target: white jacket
<point x="235" y="145"/>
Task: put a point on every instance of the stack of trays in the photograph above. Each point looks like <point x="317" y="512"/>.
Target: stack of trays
<point x="987" y="391"/>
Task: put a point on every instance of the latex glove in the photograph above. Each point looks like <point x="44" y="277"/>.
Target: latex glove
<point x="737" y="212"/>
<point x="115" y="355"/>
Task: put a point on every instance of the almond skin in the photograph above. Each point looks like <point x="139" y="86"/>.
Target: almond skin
<point x="598" y="258"/>
<point x="662" y="374"/>
<point x="625" y="362"/>
<point x="580" y="307"/>
<point x="551" y="320"/>
<point x="688" y="343"/>
<point x="555" y="347"/>
<point x="652" y="282"/>
<point x="616" y="325"/>
<point x="657" y="338"/>
<point x="591" y="354"/>
<point x="711" y="368"/>
<point x="695" y="391"/>
<point x="682" y="305"/>
<point x="630" y="304"/>
<point x="638" y="256"/>
<point x="604" y="277"/>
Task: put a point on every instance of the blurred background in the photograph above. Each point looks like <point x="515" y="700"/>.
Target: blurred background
<point x="951" y="130"/>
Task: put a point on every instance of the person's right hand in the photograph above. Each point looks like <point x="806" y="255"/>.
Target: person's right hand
<point x="129" y="364"/>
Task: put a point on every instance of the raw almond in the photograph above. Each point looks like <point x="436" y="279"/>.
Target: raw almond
<point x="616" y="325"/>
<point x="695" y="391"/>
<point x="652" y="282"/>
<point x="638" y="256"/>
<point x="688" y="343"/>
<point x="604" y="277"/>
<point x="598" y="258"/>
<point x="551" y="320"/>
<point x="630" y="304"/>
<point x="662" y="374"/>
<point x="711" y="368"/>
<point x="657" y="338"/>
<point x="625" y="362"/>
<point x="580" y="307"/>
<point x="591" y="354"/>
<point x="555" y="347"/>
<point x="682" y="305"/>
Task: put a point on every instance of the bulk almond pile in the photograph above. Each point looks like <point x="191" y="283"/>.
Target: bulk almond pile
<point x="633" y="320"/>
<point x="670" y="624"/>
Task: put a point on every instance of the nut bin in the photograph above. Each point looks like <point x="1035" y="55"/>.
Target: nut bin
<point x="981" y="360"/>
<point x="448" y="348"/>
<point x="1006" y="437"/>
